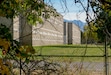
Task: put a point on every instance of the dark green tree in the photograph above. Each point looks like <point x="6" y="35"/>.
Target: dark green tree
<point x="102" y="16"/>
<point x="102" y="10"/>
<point x="90" y="33"/>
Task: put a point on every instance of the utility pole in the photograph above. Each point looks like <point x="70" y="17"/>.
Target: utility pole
<point x="106" y="57"/>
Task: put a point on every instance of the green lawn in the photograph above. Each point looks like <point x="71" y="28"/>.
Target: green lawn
<point x="73" y="50"/>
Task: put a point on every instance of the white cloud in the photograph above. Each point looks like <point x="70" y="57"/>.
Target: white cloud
<point x="76" y="16"/>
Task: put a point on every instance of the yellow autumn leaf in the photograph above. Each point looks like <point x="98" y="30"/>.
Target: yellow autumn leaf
<point x="8" y="63"/>
<point x="30" y="50"/>
<point x="5" y="70"/>
<point x="18" y="1"/>
<point x="1" y="42"/>
<point x="18" y="55"/>
<point x="21" y="48"/>
<point x="2" y="13"/>
<point x="6" y="45"/>
<point x="1" y="62"/>
<point x="4" y="41"/>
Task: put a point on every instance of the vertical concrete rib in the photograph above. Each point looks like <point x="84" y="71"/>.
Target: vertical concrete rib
<point x="69" y="33"/>
<point x="25" y="31"/>
<point x="65" y="35"/>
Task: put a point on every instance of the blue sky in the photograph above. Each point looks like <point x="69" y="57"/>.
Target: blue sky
<point x="70" y="11"/>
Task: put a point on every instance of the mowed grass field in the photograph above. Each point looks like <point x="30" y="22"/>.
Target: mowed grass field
<point x="73" y="50"/>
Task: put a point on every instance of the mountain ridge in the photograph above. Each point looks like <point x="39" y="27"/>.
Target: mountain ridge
<point x="79" y="23"/>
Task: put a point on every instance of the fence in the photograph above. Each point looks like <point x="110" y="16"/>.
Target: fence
<point x="63" y="64"/>
<point x="54" y="65"/>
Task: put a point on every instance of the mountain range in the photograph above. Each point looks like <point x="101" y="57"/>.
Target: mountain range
<point x="77" y="22"/>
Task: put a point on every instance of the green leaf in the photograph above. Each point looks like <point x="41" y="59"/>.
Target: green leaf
<point x="32" y="18"/>
<point x="23" y="54"/>
<point x="27" y="60"/>
<point x="40" y="20"/>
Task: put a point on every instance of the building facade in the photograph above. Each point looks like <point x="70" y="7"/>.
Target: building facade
<point x="48" y="33"/>
<point x="53" y="31"/>
<point x="72" y="33"/>
<point x="22" y="32"/>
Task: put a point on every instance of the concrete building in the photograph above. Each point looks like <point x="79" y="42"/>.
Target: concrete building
<point x="72" y="33"/>
<point x="22" y="31"/>
<point x="52" y="31"/>
<point x="49" y="33"/>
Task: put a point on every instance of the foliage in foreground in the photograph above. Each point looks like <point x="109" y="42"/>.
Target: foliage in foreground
<point x="12" y="49"/>
<point x="33" y="11"/>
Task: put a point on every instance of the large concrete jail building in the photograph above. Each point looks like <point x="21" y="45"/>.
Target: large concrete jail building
<point x="48" y="33"/>
<point x="52" y="31"/>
